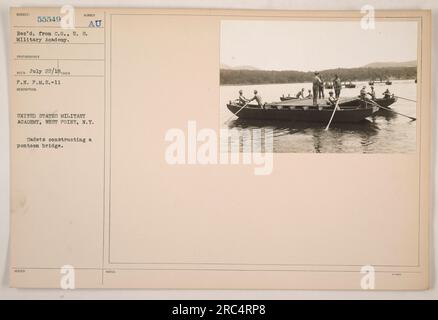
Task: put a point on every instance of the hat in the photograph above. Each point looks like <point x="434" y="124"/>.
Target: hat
<point x="240" y="91"/>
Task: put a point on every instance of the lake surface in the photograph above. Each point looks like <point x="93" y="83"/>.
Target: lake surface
<point x="388" y="133"/>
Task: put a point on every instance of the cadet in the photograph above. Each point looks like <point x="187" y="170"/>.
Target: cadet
<point x="321" y="89"/>
<point x="300" y="94"/>
<point x="242" y="99"/>
<point x="363" y="92"/>
<point x="337" y="85"/>
<point x="315" y="87"/>
<point x="257" y="98"/>
<point x="332" y="100"/>
<point x="372" y="93"/>
<point x="386" y="94"/>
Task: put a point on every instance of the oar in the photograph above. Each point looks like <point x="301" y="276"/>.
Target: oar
<point x="333" y="114"/>
<point x="237" y="112"/>
<point x="406" y="99"/>
<point x="389" y="109"/>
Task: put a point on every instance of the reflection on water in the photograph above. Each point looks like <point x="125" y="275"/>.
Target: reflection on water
<point x="384" y="132"/>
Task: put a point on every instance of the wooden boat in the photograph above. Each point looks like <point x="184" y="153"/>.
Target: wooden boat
<point x="388" y="82"/>
<point x="304" y="110"/>
<point x="350" y="85"/>
<point x="386" y="102"/>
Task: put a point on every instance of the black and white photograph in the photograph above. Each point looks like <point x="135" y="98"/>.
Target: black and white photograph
<point x="321" y="86"/>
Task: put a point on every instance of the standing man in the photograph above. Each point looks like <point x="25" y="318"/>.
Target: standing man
<point x="337" y="85"/>
<point x="257" y="98"/>
<point x="321" y="88"/>
<point x="315" y="87"/>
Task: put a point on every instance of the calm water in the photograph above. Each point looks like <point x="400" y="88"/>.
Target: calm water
<point x="389" y="133"/>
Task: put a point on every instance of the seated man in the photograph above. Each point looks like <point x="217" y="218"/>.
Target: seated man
<point x="242" y="99"/>
<point x="258" y="98"/>
<point x="386" y="94"/>
<point x="332" y="100"/>
<point x="363" y="93"/>
<point x="309" y="94"/>
<point x="372" y="93"/>
<point x="363" y="96"/>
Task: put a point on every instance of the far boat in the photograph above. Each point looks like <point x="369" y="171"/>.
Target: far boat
<point x="328" y="85"/>
<point x="288" y="97"/>
<point x="384" y="102"/>
<point x="304" y="110"/>
<point x="373" y="82"/>
<point x="349" y="85"/>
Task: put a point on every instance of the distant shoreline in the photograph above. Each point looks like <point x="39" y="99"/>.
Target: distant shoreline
<point x="253" y="77"/>
<point x="309" y="82"/>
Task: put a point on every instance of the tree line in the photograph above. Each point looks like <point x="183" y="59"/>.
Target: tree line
<point x="244" y="77"/>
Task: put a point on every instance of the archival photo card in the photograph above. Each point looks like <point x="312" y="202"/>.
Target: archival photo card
<point x="220" y="149"/>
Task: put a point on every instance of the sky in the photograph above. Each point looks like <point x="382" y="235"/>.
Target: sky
<point x="315" y="45"/>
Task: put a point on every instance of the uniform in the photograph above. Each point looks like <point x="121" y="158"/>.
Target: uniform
<point x="315" y="88"/>
<point x="337" y="87"/>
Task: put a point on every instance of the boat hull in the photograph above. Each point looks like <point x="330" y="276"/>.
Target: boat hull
<point x="276" y="112"/>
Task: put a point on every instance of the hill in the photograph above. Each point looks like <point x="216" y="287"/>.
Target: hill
<point x="407" y="64"/>
<point x="227" y="67"/>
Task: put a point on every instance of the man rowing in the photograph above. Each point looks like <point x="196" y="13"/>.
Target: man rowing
<point x="372" y="93"/>
<point x="242" y="99"/>
<point x="300" y="94"/>
<point x="332" y="100"/>
<point x="363" y="92"/>
<point x="258" y="98"/>
<point x="364" y="96"/>
<point x="387" y="94"/>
